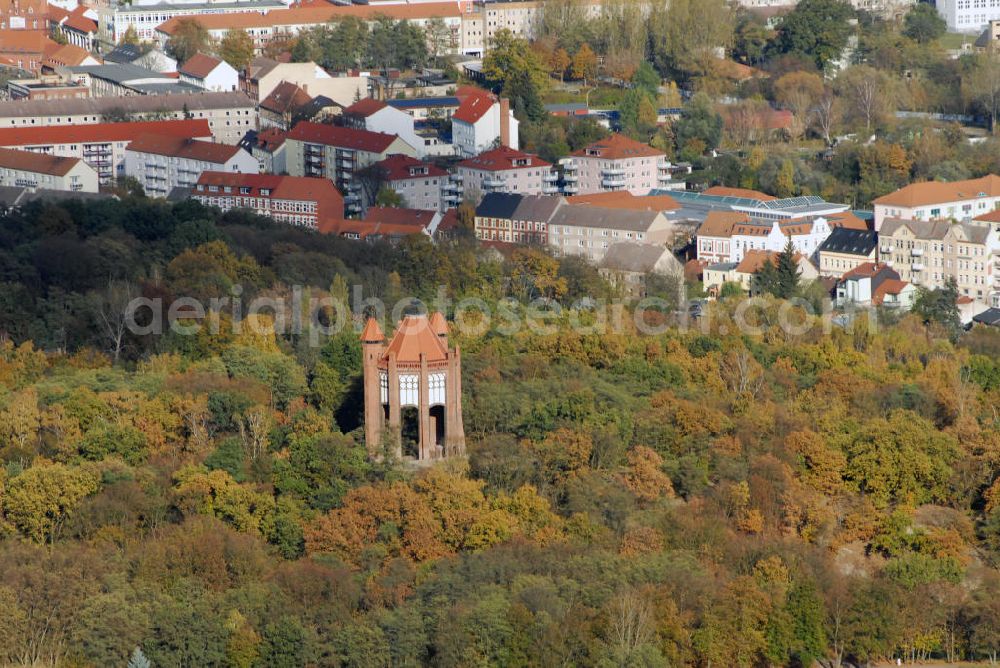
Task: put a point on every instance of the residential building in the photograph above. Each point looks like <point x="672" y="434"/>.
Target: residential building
<point x="229" y="115"/>
<point x="377" y="116"/>
<point x="393" y="230"/>
<point x="628" y="265"/>
<point x="268" y="147"/>
<point x="100" y="145"/>
<point x="615" y="163"/>
<point x="590" y="231"/>
<point x="422" y="185"/>
<point x="281" y="109"/>
<point x="506" y="170"/>
<point x="267" y="23"/>
<point x="427" y="108"/>
<point x="623" y="199"/>
<point x="24" y="169"/>
<point x="210" y="73"/>
<point x="162" y="162"/>
<point x="482" y="20"/>
<point x="145" y="17"/>
<point x="144" y="55"/>
<point x="483" y="122"/>
<point x="874" y="284"/>
<point x="744" y="272"/>
<point x="121" y="80"/>
<point x="933" y="200"/>
<point x="726" y="236"/>
<point x="263" y="75"/>
<point x="516" y="219"/>
<point x="928" y="252"/>
<point x="79" y="27"/>
<point x="65" y="56"/>
<point x="336" y="153"/>
<point x="968" y="16"/>
<point x="846" y="249"/>
<point x="295" y="200"/>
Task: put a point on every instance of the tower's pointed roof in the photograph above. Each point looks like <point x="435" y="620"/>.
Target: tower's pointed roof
<point x="414" y="337"/>
<point x="438" y="324"/>
<point x="372" y="333"/>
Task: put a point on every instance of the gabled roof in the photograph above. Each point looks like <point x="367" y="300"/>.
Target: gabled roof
<point x="935" y="229"/>
<point x="600" y="218"/>
<point x="398" y="167"/>
<point x="414" y="338"/>
<point x="537" y="208"/>
<point x="39" y="163"/>
<point x="102" y="132"/>
<point x="937" y="192"/>
<point x="502" y="159"/>
<point x="270" y="139"/>
<point x="721" y="223"/>
<point x="633" y="257"/>
<point x="350" y="138"/>
<point x="990" y="316"/>
<point x="474" y="107"/>
<point x="416" y="218"/>
<point x="850" y="242"/>
<point x="184" y="147"/>
<point x="869" y="270"/>
<point x="618" y="147"/>
<point x="499" y="205"/>
<point x="991" y="217"/>
<point x="330" y="203"/>
<point x="623" y="199"/>
<point x="200" y="65"/>
<point x="365" y="108"/>
<point x="726" y="191"/>
<point x="755" y="259"/>
<point x="848" y="220"/>
<point x="889" y="286"/>
<point x="67" y="55"/>
<point x="286" y="97"/>
<point x="79" y="20"/>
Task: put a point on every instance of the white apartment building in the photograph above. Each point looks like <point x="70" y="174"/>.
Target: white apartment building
<point x="969" y="16"/>
<point x="934" y="200"/>
<point x="263" y="75"/>
<point x="229" y="115"/>
<point x="927" y="252"/>
<point x="615" y="163"/>
<point x="506" y="170"/>
<point x="481" y="122"/>
<point x="726" y="236"/>
<point x="422" y="185"/>
<point x="146" y="16"/>
<point x="376" y="116"/>
<point x="209" y="72"/>
<point x="102" y="145"/>
<point x="24" y="169"/>
<point x="162" y="163"/>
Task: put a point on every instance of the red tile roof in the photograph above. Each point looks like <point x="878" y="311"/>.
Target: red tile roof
<point x="846" y="219"/>
<point x="200" y="65"/>
<point x="101" y="132"/>
<point x="66" y="55"/>
<point x="320" y="14"/>
<point x="372" y="333"/>
<point x="24" y="41"/>
<point x="417" y="219"/>
<point x="754" y="260"/>
<point x="936" y="192"/>
<point x="618" y="147"/>
<point x="366" y="107"/>
<point x="285" y="98"/>
<point x="474" y="106"/>
<point x="36" y="162"/>
<point x="502" y="159"/>
<point x="399" y="167"/>
<point x="890" y="286"/>
<point x="991" y="217"/>
<point x="721" y="223"/>
<point x="270" y="139"/>
<point x="330" y="203"/>
<point x="350" y="138"/>
<point x="415" y="338"/>
<point x="79" y="21"/>
<point x="364" y="229"/>
<point x="184" y="147"/>
<point x="623" y="199"/>
<point x="725" y="191"/>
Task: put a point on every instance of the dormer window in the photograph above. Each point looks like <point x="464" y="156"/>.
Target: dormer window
<point x="265" y="192"/>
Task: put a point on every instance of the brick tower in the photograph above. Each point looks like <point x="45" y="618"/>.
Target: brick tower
<point x="415" y="370"/>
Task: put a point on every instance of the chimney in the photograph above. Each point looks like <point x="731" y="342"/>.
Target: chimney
<point x="505" y="122"/>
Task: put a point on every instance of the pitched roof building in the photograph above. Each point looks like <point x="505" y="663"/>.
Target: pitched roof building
<point x="294" y="200"/>
<point x="507" y="170"/>
<point x="846" y="249"/>
<point x="209" y="72"/>
<point x="423" y="185"/>
<point x="163" y="162"/>
<point x="25" y="169"/>
<point x="615" y="163"/>
<point x="933" y="200"/>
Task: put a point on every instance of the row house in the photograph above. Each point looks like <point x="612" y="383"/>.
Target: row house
<point x="615" y="163"/>
<point x="506" y="170"/>
<point x="726" y="236"/>
<point x="482" y="20"/>
<point x="423" y="185"/>
<point x="229" y="115"/>
<point x="933" y="200"/>
<point x="336" y="153"/>
<point x="295" y="200"/>
<point x="283" y="107"/>
<point x="100" y="145"/>
<point x="516" y="219"/>
<point x="24" y="169"/>
<point x="162" y="162"/>
<point x="268" y="147"/>
<point x="928" y="252"/>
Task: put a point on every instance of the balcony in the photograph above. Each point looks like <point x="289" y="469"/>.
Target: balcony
<point x="451" y="187"/>
<point x="570" y="190"/>
<point x="917" y="252"/>
<point x="551" y="177"/>
<point x="664" y="166"/>
<point x="916" y="266"/>
<point x="494" y="182"/>
<point x="550" y="190"/>
<point x="352" y="198"/>
<point x="885" y="249"/>
<point x="457" y="178"/>
<point x="613" y="183"/>
<point x="568" y="165"/>
<point x="609" y="173"/>
<point x="570" y="178"/>
<point x="452" y="199"/>
<point x="664" y="178"/>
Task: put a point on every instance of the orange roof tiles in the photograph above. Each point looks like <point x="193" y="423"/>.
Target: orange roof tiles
<point x="200" y="65"/>
<point x="726" y="191"/>
<point x="438" y="324"/>
<point x="754" y="260"/>
<point x="503" y="158"/>
<point x="414" y="338"/>
<point x="415" y="218"/>
<point x="474" y="106"/>
<point x="623" y="199"/>
<point x="721" y="223"/>
<point x="365" y="107"/>
<point x="890" y="286"/>
<point x="846" y="219"/>
<point x="36" y="162"/>
<point x="618" y="147"/>
<point x="285" y="98"/>
<point x="936" y="192"/>
<point x="102" y="132"/>
<point x="372" y="333"/>
<point x="329" y="201"/>
<point x="65" y="55"/>
<point x="341" y="137"/>
<point x="991" y="217"/>
<point x="79" y="21"/>
<point x="184" y="147"/>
